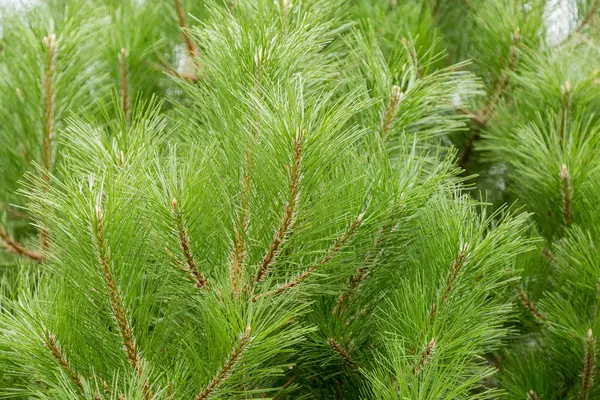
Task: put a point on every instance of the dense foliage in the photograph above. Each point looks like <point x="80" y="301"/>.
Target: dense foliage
<point x="299" y="199"/>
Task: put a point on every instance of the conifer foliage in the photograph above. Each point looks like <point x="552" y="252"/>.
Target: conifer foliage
<point x="250" y="199"/>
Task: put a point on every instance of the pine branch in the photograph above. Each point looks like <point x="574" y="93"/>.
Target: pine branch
<point x="167" y="68"/>
<point x="238" y="256"/>
<point x="435" y="8"/>
<point x="16" y="248"/>
<point x="474" y="116"/>
<point x="589" y="365"/>
<point x="390" y="113"/>
<point x="563" y="120"/>
<point x="588" y="16"/>
<point x="566" y="193"/>
<point x="48" y="133"/>
<point x="548" y="255"/>
<point x="229" y="365"/>
<point x="191" y="46"/>
<point x="338" y="349"/>
<point x="182" y="233"/>
<point x="56" y="352"/>
<point x="16" y="213"/>
<point x="503" y="84"/>
<point x="124" y="84"/>
<point x="289" y="214"/>
<point x="361" y="272"/>
<point x="284" y="386"/>
<point x="241" y="228"/>
<point x="48" y="87"/>
<point x="118" y="311"/>
<point x="410" y="48"/>
<point x="451" y="280"/>
<point x="529" y="305"/>
<point x="425" y="358"/>
<point x="482" y="117"/>
<point x="331" y="253"/>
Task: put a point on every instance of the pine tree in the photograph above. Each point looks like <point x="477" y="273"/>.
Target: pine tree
<point x="274" y="199"/>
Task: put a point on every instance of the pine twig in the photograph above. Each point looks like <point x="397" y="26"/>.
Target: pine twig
<point x="191" y="46"/>
<point x="167" y="68"/>
<point x="455" y="270"/>
<point x="529" y="305"/>
<point x="435" y="8"/>
<point x="289" y="214"/>
<point x="361" y="273"/>
<point x="474" y="116"/>
<point x="238" y="256"/>
<point x="16" y="213"/>
<point x="410" y="48"/>
<point x="229" y="365"/>
<point x="331" y="253"/>
<point x="284" y="386"/>
<point x="124" y="84"/>
<point x="16" y="248"/>
<point x="588" y="16"/>
<point x="338" y="349"/>
<point x="395" y="100"/>
<point x="425" y="358"/>
<point x="184" y="240"/>
<point x="116" y="303"/>
<point x="589" y="365"/>
<point x="547" y="254"/>
<point x="48" y="87"/>
<point x="565" y="91"/>
<point x="482" y="117"/>
<point x="60" y="357"/>
<point x="48" y="132"/>
<point x="503" y="84"/>
<point x="567" y="193"/>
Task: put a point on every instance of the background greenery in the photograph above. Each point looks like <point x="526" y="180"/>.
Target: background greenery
<point x="366" y="199"/>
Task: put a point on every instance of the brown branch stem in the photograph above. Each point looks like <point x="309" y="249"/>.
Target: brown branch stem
<point x="51" y="344"/>
<point x="124" y="84"/>
<point x="395" y="100"/>
<point x="191" y="46"/>
<point x="116" y="303"/>
<point x="331" y="253"/>
<point x="238" y="256"/>
<point x="48" y="130"/>
<point x="184" y="240"/>
<point x="16" y="248"/>
<point x="567" y="192"/>
<point x="455" y="270"/>
<point x="529" y="305"/>
<point x="229" y="365"/>
<point x="487" y="111"/>
<point x="338" y="349"/>
<point x="48" y="87"/>
<point x="589" y="365"/>
<point x="289" y="214"/>
<point x="425" y="357"/>
<point x="588" y="16"/>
